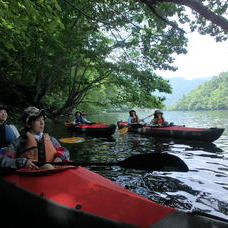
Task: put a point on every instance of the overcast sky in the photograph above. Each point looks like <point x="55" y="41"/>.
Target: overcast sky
<point x="205" y="58"/>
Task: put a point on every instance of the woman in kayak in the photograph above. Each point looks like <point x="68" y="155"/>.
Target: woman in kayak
<point x="159" y="120"/>
<point x="33" y="145"/>
<point x="80" y="119"/>
<point x="8" y="132"/>
<point x="133" y="119"/>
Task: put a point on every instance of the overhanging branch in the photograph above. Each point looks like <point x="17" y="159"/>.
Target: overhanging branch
<point x="197" y="6"/>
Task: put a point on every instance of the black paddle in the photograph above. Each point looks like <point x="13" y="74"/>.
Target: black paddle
<point x="150" y="161"/>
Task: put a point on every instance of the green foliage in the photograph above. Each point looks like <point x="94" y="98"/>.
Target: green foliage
<point x="90" y="54"/>
<point x="198" y="22"/>
<point x="212" y="95"/>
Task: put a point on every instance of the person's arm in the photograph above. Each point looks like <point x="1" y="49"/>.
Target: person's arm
<point x="9" y="158"/>
<point x="153" y="121"/>
<point x="62" y="152"/>
<point x="15" y="131"/>
<point x="129" y="120"/>
<point x="84" y="120"/>
<point x="76" y="121"/>
<point x="137" y="119"/>
<point x="7" y="162"/>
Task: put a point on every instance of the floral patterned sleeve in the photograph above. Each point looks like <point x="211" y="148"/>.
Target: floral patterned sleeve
<point x="62" y="152"/>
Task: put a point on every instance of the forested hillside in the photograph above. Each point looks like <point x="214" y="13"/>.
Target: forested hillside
<point x="211" y="95"/>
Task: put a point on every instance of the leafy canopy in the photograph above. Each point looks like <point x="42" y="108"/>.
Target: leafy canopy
<point x="69" y="52"/>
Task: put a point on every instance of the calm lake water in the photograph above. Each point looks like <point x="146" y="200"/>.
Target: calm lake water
<point x="203" y="188"/>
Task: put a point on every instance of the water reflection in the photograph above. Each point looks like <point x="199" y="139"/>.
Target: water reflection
<point x="208" y="200"/>
<point x="164" y="143"/>
<point x="162" y="189"/>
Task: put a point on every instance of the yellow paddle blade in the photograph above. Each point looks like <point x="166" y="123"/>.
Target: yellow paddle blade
<point x="123" y="130"/>
<point x="67" y="124"/>
<point x="72" y="140"/>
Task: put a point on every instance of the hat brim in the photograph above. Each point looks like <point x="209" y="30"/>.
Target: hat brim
<point x="4" y="107"/>
<point x="40" y="113"/>
<point x="158" y="112"/>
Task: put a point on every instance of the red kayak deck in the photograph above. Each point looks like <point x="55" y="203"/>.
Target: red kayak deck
<point x="87" y="191"/>
<point x="95" y="129"/>
<point x="95" y="125"/>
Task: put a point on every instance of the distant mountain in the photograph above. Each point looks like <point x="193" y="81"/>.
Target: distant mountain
<point x="211" y="95"/>
<point x="180" y="87"/>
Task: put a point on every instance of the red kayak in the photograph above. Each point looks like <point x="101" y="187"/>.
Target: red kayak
<point x="190" y="133"/>
<point x="96" y="129"/>
<point x="92" y="193"/>
<point x="88" y="192"/>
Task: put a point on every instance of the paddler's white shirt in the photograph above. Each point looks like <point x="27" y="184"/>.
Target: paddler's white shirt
<point x="39" y="136"/>
<point x="17" y="134"/>
<point x="14" y="129"/>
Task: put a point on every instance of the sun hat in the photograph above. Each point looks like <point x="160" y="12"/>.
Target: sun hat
<point x="2" y="106"/>
<point x="77" y="113"/>
<point x="158" y="112"/>
<point x="32" y="112"/>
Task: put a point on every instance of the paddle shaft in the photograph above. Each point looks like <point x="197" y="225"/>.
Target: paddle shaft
<point x="80" y="163"/>
<point x="150" y="161"/>
<point x="146" y="117"/>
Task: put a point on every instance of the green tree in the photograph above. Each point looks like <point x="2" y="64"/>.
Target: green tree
<point x="67" y="52"/>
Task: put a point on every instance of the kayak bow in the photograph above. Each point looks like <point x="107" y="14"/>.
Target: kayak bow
<point x="96" y="199"/>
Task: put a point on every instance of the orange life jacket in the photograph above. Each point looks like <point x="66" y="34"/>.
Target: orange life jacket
<point x="32" y="153"/>
<point x="159" y="120"/>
